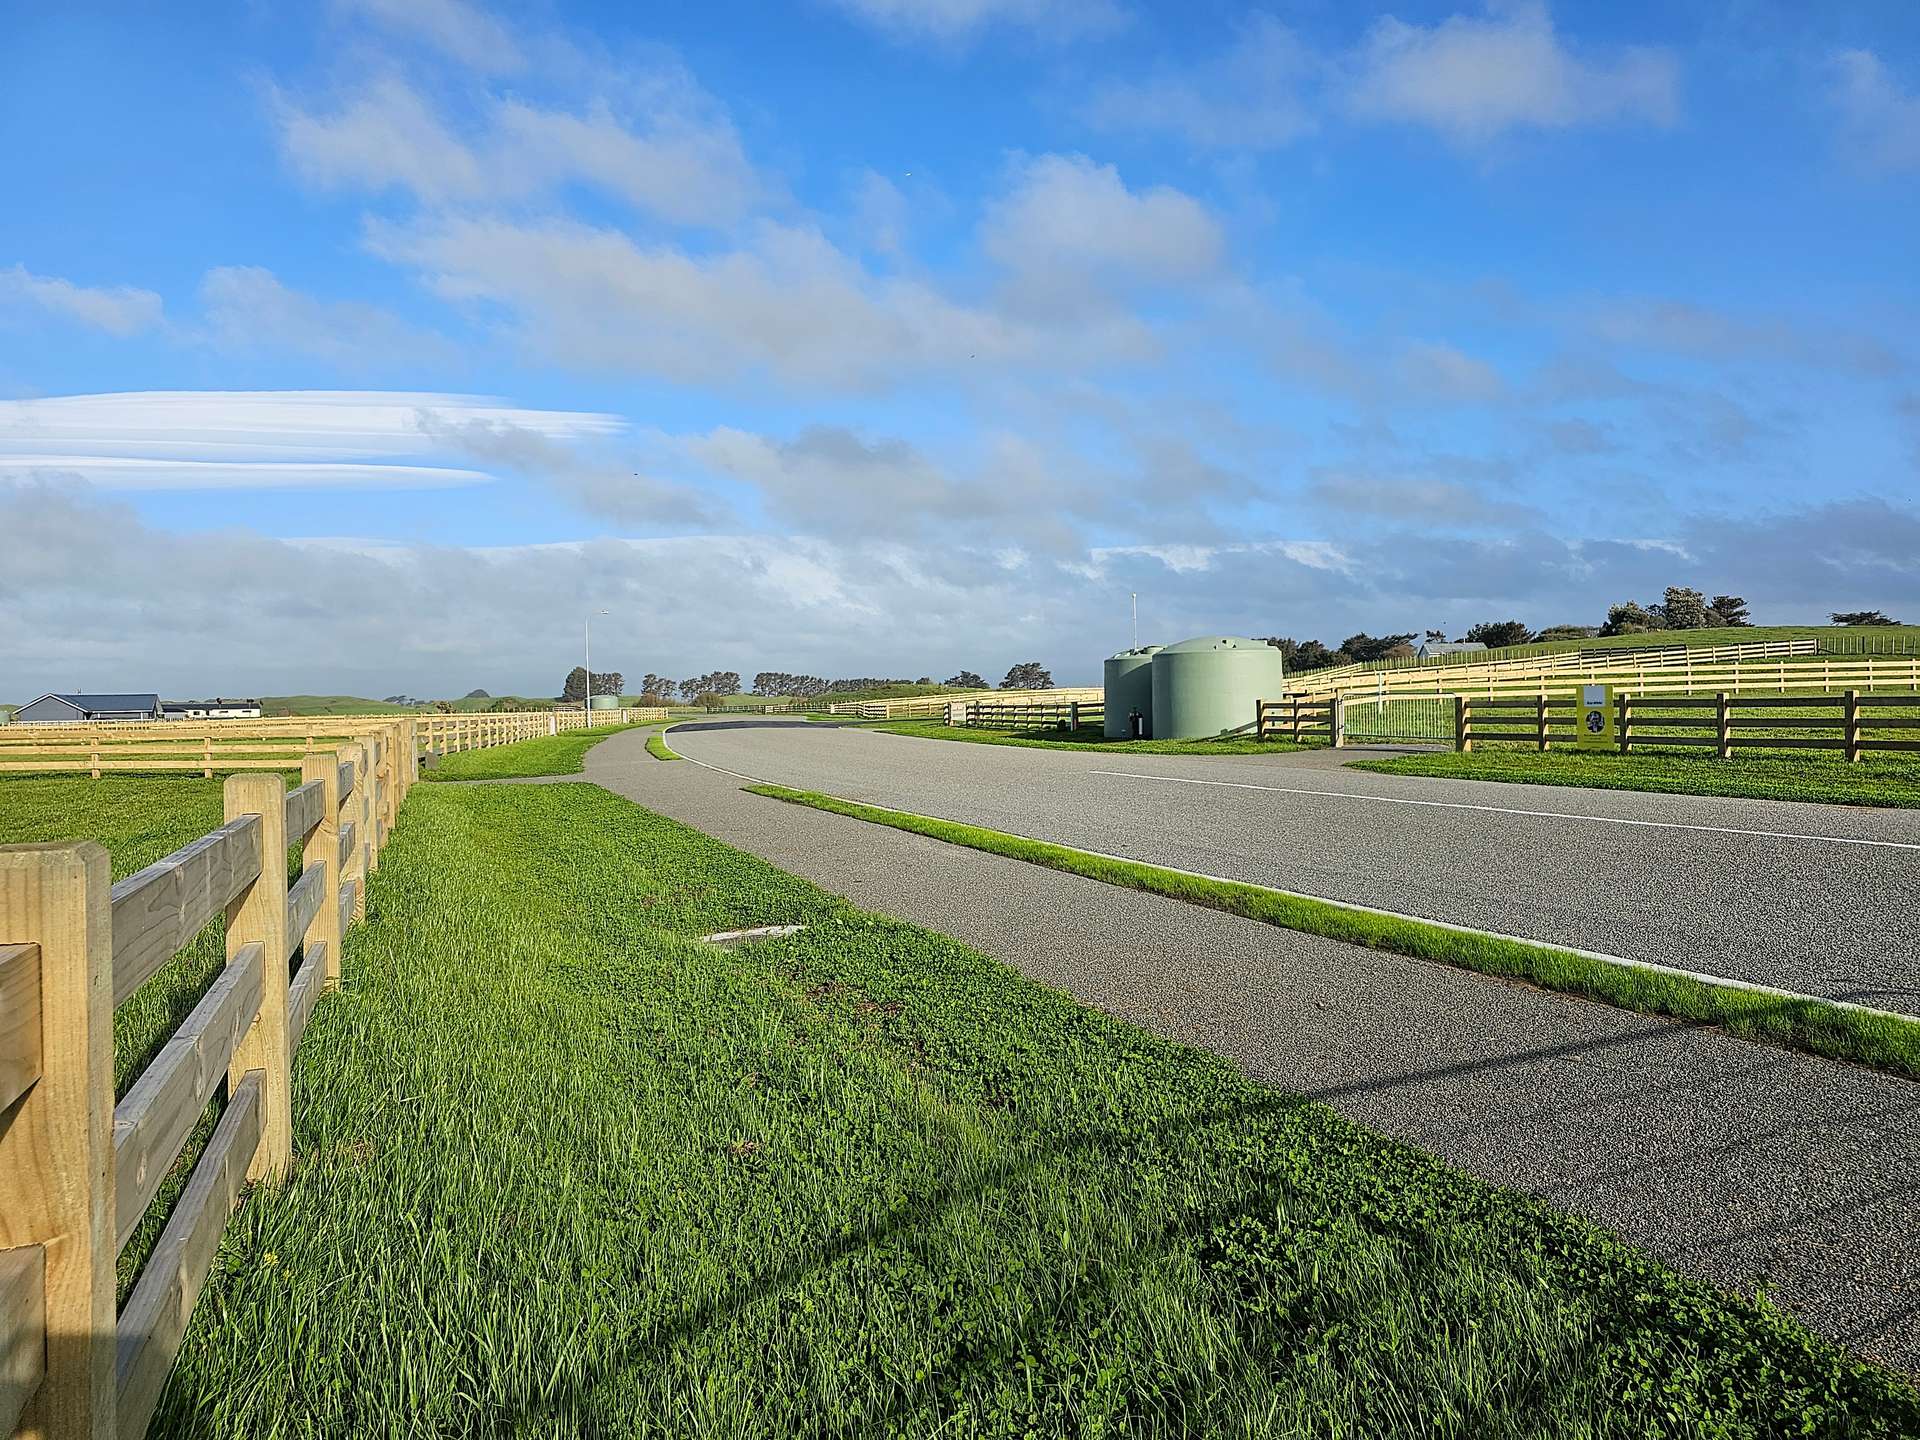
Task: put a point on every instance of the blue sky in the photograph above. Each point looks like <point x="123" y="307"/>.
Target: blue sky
<point x="367" y="345"/>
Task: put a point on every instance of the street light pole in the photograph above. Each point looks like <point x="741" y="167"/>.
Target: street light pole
<point x="586" y="700"/>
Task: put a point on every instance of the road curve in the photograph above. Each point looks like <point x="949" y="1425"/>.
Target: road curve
<point x="1823" y="899"/>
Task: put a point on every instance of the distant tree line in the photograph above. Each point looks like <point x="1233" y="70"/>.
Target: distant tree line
<point x="1680" y="608"/>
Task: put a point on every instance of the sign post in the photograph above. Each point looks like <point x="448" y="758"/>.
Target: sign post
<point x="1594" y="722"/>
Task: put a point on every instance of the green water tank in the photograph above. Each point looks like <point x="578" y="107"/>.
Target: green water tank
<point x="1129" y="687"/>
<point x="606" y="702"/>
<point x="1207" y="686"/>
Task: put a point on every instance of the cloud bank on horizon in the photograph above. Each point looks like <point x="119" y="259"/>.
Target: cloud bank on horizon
<point x="906" y="336"/>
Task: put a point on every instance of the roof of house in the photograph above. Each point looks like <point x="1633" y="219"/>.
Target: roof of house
<point x="1450" y="647"/>
<point x="94" y="704"/>
<point x="219" y="702"/>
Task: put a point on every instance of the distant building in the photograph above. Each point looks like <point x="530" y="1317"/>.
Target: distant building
<point x="218" y="708"/>
<point x="73" y="709"/>
<point x="1449" y="647"/>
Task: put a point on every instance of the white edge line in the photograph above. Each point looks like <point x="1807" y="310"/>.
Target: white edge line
<point x="1510" y="810"/>
<point x="1652" y="967"/>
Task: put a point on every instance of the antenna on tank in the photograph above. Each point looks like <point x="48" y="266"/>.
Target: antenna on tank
<point x="1134" y="596"/>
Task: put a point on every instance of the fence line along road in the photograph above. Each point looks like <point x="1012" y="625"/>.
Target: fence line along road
<point x="275" y="743"/>
<point x="921" y="707"/>
<point x="77" y="1171"/>
<point x="1727" y="723"/>
<point x="1683" y="675"/>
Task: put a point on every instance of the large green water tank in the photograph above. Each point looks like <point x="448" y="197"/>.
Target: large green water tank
<point x="1206" y="686"/>
<point x="1129" y="687"/>
<point x="606" y="702"/>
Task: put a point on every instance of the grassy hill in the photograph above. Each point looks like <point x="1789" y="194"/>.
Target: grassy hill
<point x="328" y="705"/>
<point x="1834" y="639"/>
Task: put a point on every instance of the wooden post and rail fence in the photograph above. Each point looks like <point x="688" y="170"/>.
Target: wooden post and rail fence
<point x="1853" y="723"/>
<point x="212" y="747"/>
<point x="78" y="1172"/>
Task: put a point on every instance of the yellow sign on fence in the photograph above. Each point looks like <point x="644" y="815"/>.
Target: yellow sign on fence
<point x="1594" y="728"/>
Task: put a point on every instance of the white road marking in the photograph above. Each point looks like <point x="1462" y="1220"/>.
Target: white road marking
<point x="1511" y="810"/>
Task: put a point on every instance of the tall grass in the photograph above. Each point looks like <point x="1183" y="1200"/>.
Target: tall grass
<point x="564" y="1170"/>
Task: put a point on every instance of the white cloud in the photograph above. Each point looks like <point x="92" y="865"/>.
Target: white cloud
<point x="1688" y="328"/>
<point x="662" y="147"/>
<point x="1066" y="215"/>
<point x="1444" y="372"/>
<point x="1255" y="96"/>
<point x="785" y="304"/>
<point x="121" y="310"/>
<point x="464" y="32"/>
<point x="958" y="20"/>
<point x="211" y="439"/>
<point x="1883" y="119"/>
<point x="1473" y="78"/>
<point x="248" y="308"/>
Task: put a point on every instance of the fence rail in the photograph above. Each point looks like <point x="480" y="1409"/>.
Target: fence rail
<point x="1026" y="714"/>
<point x="77" y="1171"/>
<point x="1853" y="723"/>
<point x="1781" y="675"/>
<point x="274" y="743"/>
<point x="920" y="707"/>
<point x="1298" y="718"/>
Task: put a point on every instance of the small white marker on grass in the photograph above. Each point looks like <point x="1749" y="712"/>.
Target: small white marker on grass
<point x="759" y="932"/>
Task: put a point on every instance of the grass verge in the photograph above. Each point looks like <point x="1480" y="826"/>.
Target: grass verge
<point x="563" y="754"/>
<point x="657" y="745"/>
<point x="1086" y="738"/>
<point x="1816" y="777"/>
<point x="564" y="1170"/>
<point x="1884" y="1042"/>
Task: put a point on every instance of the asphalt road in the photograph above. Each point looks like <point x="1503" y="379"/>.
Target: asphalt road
<point x="1822" y="899"/>
<point x="1739" y="1163"/>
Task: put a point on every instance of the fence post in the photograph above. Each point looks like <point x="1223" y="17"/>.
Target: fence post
<point x="1073" y="715"/>
<point x="323" y="847"/>
<point x="1462" y="725"/>
<point x="56" y="1153"/>
<point x="258" y="915"/>
<point x="1724" y="713"/>
<point x="362" y="813"/>
<point x="1623" y="721"/>
<point x="1337" y="719"/>
<point x="1853" y="726"/>
<point x="1259" y="720"/>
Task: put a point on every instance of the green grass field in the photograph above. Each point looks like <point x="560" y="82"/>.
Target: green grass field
<point x="1883" y="780"/>
<point x="1085" y="738"/>
<point x="1843" y="639"/>
<point x="657" y="745"/>
<point x="544" y="755"/>
<point x="329" y="705"/>
<point x="564" y="1170"/>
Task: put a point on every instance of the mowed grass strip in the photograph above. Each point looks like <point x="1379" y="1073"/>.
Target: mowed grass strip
<point x="657" y="746"/>
<point x="564" y="1170"/>
<point x="563" y="754"/>
<point x="1882" y="780"/>
<point x="1087" y="737"/>
<point x="1884" y="1042"/>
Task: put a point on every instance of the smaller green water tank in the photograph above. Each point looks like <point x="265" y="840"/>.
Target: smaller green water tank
<point x="606" y="702"/>
<point x="1208" y="686"/>
<point x="1129" y="689"/>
